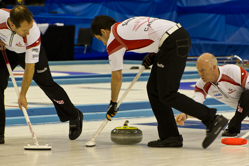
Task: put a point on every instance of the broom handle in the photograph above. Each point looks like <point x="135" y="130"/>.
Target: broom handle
<point x="118" y="104"/>
<point x="17" y="93"/>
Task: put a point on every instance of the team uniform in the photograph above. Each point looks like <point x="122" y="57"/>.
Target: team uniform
<point x="28" y="49"/>
<point x="231" y="88"/>
<point x="137" y="34"/>
<point x="171" y="43"/>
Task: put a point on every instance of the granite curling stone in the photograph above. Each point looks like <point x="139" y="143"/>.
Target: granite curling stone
<point x="126" y="135"/>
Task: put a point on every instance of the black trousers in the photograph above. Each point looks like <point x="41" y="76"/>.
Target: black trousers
<point x="242" y="111"/>
<point x="42" y="76"/>
<point x="163" y="85"/>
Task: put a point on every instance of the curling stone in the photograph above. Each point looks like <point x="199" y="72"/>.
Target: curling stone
<point x="126" y="135"/>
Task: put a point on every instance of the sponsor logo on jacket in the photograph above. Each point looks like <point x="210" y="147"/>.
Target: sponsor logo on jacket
<point x="231" y="90"/>
<point x="160" y="65"/>
<point x="19" y="44"/>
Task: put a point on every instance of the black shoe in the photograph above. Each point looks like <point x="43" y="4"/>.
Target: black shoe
<point x="227" y="133"/>
<point x="75" y="126"/>
<point x="167" y="142"/>
<point x="1" y="138"/>
<point x="213" y="130"/>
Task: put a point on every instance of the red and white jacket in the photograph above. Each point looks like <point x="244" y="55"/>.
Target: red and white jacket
<point x="30" y="44"/>
<point x="232" y="81"/>
<point x="137" y="34"/>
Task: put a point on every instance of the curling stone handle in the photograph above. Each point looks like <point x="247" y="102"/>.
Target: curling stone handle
<point x="126" y="123"/>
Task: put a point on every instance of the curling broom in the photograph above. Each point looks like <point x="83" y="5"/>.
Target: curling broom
<point x="92" y="143"/>
<point x="28" y="147"/>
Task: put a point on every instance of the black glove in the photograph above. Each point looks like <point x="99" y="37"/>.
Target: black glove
<point x="112" y="110"/>
<point x="148" y="60"/>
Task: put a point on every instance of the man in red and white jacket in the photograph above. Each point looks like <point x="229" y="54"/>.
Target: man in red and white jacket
<point x="20" y="36"/>
<point x="168" y="45"/>
<point x="228" y="84"/>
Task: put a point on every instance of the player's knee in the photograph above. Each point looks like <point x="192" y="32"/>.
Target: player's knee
<point x="166" y="98"/>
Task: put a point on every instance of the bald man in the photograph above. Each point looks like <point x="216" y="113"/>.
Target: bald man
<point x="144" y="34"/>
<point x="228" y="84"/>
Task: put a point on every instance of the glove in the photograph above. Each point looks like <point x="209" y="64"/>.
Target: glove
<point x="112" y="110"/>
<point x="148" y="60"/>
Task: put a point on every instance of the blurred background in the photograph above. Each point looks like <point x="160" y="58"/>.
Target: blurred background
<point x="220" y="27"/>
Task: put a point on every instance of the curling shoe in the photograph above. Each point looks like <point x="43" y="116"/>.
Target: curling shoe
<point x="227" y="133"/>
<point x="167" y="142"/>
<point x="75" y="126"/>
<point x="213" y="130"/>
<point x="1" y="138"/>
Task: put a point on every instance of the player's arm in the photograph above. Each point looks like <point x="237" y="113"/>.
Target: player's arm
<point x="31" y="58"/>
<point x="199" y="96"/>
<point x="27" y="78"/>
<point x="116" y="83"/>
<point x="116" y="63"/>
